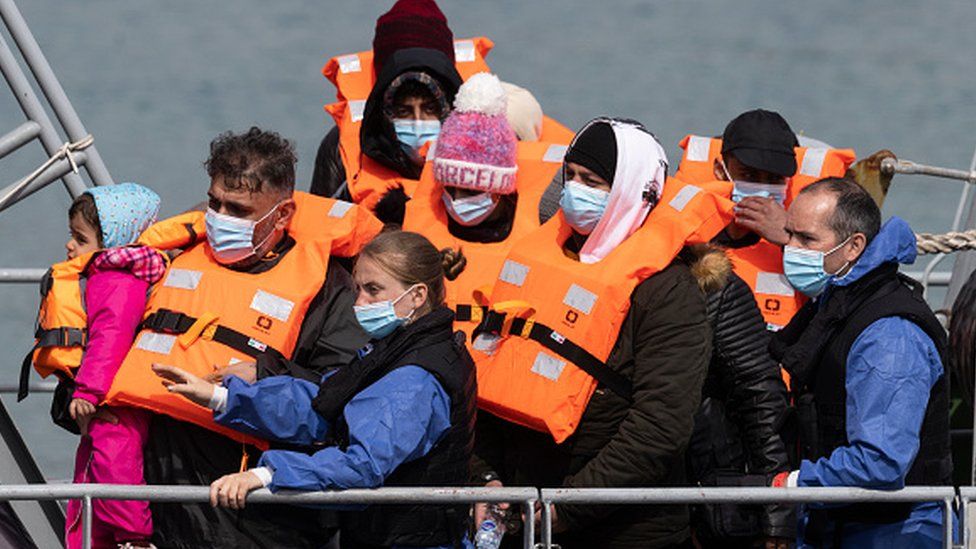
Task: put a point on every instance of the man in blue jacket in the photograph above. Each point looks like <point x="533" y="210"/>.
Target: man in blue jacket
<point x="865" y="356"/>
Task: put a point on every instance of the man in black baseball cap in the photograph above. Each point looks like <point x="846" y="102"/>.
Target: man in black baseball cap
<point x="761" y="140"/>
<point x="758" y="156"/>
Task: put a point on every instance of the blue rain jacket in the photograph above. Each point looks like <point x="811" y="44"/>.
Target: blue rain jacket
<point x="397" y="419"/>
<point x="891" y="369"/>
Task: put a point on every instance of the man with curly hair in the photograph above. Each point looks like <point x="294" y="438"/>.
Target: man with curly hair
<point x="250" y="208"/>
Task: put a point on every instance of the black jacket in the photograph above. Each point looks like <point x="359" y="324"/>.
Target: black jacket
<point x="182" y="453"/>
<point x="430" y="343"/>
<point x="376" y="137"/>
<point x="663" y="347"/>
<point x="737" y="439"/>
<point x="814" y="347"/>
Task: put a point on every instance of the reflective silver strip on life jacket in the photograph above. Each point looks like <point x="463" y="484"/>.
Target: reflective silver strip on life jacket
<point x="349" y="63"/>
<point x="555" y="153"/>
<point x="774" y="284"/>
<point x="339" y="208"/>
<point x="580" y="298"/>
<point x="271" y="305"/>
<point x="813" y="161"/>
<point x="698" y="148"/>
<point x="464" y="51"/>
<point x="182" y="279"/>
<point x="514" y="273"/>
<point x="683" y="197"/>
<point x="156" y="343"/>
<point x="356" y="109"/>
<point x="547" y="366"/>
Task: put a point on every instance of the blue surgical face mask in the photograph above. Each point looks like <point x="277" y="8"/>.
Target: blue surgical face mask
<point x="743" y="189"/>
<point x="470" y="210"/>
<point x="805" y="268"/>
<point x="231" y="239"/>
<point x="412" y="134"/>
<point x="380" y="319"/>
<point x="583" y="206"/>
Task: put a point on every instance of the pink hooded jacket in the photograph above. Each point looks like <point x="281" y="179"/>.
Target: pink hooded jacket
<point x="115" y="300"/>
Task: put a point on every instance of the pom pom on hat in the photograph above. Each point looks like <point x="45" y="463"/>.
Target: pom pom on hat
<point x="483" y="93"/>
<point x="476" y="149"/>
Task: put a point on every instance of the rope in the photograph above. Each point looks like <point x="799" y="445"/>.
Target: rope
<point x="945" y="243"/>
<point x="66" y="151"/>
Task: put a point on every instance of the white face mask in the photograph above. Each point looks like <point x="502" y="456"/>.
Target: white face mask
<point x="231" y="238"/>
<point x="470" y="210"/>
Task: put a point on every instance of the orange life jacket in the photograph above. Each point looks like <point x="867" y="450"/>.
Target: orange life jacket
<point x="204" y="316"/>
<point x="537" y="164"/>
<point x="761" y="265"/>
<point x="699" y="155"/>
<point x="558" y="319"/>
<point x="354" y="77"/>
<point x="62" y="322"/>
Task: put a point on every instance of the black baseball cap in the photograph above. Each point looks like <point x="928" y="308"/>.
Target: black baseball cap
<point x="762" y="140"/>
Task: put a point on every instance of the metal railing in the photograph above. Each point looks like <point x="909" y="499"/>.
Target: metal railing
<point x="948" y="497"/>
<point x="39" y="125"/>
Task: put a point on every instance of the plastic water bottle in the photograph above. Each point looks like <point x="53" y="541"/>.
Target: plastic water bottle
<point x="492" y="529"/>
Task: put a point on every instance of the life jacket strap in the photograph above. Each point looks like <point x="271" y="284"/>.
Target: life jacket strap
<point x="464" y="312"/>
<point x="61" y="337"/>
<point x="25" y="367"/>
<point x="53" y="337"/>
<point x="494" y="322"/>
<point x="173" y="322"/>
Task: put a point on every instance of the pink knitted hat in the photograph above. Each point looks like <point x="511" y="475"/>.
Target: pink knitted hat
<point x="476" y="147"/>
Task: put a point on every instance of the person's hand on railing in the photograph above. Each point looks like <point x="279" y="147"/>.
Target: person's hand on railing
<point x="231" y="490"/>
<point x="247" y="371"/>
<point x="557" y="526"/>
<point x="184" y="383"/>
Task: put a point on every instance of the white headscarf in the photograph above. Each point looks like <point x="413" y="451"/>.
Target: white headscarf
<point x="642" y="165"/>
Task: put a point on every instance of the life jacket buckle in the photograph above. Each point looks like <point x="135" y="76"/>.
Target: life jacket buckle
<point x="477" y="314"/>
<point x="165" y="321"/>
<point x="73" y="337"/>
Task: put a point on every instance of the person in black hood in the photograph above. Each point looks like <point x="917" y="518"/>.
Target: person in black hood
<point x="416" y="82"/>
<point x="413" y="370"/>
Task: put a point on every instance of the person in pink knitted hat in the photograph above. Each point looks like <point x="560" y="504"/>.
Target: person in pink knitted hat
<point x="475" y="155"/>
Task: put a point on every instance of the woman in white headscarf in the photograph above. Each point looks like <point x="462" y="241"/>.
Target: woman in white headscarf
<point x="623" y="226"/>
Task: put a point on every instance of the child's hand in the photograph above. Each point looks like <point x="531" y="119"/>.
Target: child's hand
<point x="231" y="490"/>
<point x="81" y="411"/>
<point x="184" y="383"/>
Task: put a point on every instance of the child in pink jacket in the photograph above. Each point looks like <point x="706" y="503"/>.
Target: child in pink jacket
<point x="110" y="219"/>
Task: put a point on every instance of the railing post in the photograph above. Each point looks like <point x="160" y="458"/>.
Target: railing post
<point x="546" y="523"/>
<point x="964" y="521"/>
<point x="86" y="522"/>
<point x="528" y="529"/>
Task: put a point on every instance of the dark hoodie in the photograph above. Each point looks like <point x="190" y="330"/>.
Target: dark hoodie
<point x="377" y="138"/>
